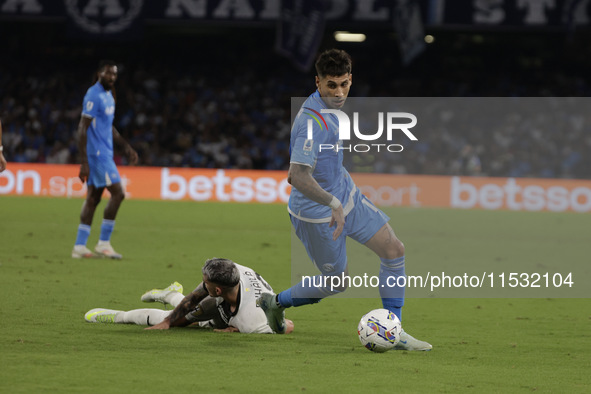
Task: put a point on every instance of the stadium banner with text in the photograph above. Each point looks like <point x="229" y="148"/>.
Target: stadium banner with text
<point x="385" y="190"/>
<point x="523" y="13"/>
<point x="116" y="17"/>
<point x="153" y="183"/>
<point x="113" y="16"/>
<point x="517" y="194"/>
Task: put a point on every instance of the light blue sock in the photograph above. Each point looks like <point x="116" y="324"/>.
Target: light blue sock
<point x="392" y="295"/>
<point x="83" y="234"/>
<point x="284" y="298"/>
<point x="106" y="230"/>
<point x="307" y="292"/>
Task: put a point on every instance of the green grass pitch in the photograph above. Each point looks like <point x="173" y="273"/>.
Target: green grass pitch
<point x="480" y="344"/>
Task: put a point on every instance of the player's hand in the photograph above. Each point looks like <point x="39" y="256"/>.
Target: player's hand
<point x="165" y="325"/>
<point x="132" y="155"/>
<point x="337" y="219"/>
<point x="2" y="162"/>
<point x="227" y="329"/>
<point x="84" y="171"/>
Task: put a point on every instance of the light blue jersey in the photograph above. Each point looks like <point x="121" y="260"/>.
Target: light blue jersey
<point x="99" y="105"/>
<point x="327" y="164"/>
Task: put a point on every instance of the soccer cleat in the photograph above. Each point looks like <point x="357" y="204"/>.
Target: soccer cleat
<point x="408" y="342"/>
<point x="158" y="295"/>
<point x="105" y="249"/>
<point x="100" y="315"/>
<point x="82" y="252"/>
<point x="275" y="313"/>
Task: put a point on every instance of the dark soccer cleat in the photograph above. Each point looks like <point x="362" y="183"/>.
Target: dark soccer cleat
<point x="275" y="313"/>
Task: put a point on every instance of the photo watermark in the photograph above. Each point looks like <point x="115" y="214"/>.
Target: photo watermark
<point x="464" y="137"/>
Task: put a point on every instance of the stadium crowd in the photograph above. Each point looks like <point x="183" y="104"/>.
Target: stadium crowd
<point x="232" y="109"/>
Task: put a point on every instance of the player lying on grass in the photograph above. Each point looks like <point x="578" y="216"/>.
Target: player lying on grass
<point x="225" y="300"/>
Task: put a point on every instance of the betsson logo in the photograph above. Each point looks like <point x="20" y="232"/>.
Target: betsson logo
<point x="515" y="197"/>
<point x="221" y="187"/>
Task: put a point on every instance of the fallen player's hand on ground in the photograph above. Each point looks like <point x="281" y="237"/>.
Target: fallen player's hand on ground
<point x="227" y="329"/>
<point x="165" y="325"/>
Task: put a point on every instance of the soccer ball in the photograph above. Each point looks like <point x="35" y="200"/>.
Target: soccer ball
<point x="379" y="330"/>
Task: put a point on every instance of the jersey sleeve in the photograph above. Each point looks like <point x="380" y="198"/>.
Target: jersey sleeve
<point x="90" y="105"/>
<point x="304" y="150"/>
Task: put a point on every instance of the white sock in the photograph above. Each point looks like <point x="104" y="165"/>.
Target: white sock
<point x="142" y="317"/>
<point x="174" y="298"/>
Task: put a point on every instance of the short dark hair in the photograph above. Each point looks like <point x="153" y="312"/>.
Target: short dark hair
<point x="222" y="272"/>
<point x="106" y="63"/>
<point x="335" y="62"/>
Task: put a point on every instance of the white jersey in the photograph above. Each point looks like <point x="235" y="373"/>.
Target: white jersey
<point x="248" y="317"/>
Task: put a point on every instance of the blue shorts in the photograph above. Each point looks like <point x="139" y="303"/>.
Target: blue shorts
<point x="103" y="172"/>
<point x="329" y="256"/>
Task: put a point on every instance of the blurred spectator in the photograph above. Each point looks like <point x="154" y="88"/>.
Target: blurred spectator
<point x="2" y="159"/>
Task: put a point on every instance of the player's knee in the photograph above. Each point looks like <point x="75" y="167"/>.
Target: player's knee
<point x="92" y="200"/>
<point x="118" y="196"/>
<point x="343" y="287"/>
<point x="337" y="283"/>
<point x="339" y="288"/>
<point x="394" y="249"/>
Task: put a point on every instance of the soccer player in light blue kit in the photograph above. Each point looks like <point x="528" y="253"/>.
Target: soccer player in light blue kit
<point x="96" y="135"/>
<point x="324" y="195"/>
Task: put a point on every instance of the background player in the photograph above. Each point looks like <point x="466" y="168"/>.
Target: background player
<point x="225" y="300"/>
<point x="97" y="168"/>
<point x="324" y="195"/>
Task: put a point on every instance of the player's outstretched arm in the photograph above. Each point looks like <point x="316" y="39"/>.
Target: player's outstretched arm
<point x="300" y="177"/>
<point x="177" y="317"/>
<point x="288" y="330"/>
<point x="129" y="151"/>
